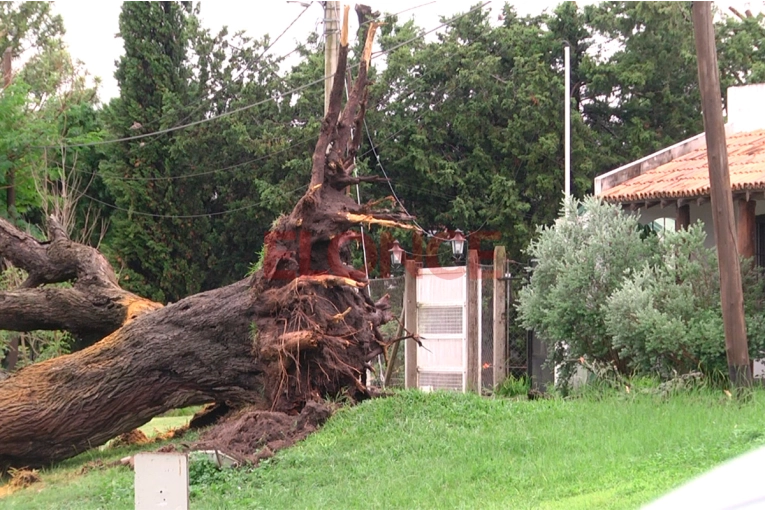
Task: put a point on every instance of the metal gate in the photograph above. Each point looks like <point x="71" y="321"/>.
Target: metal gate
<point x="442" y="327"/>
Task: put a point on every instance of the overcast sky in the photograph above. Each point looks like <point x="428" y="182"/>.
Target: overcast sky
<point x="92" y="26"/>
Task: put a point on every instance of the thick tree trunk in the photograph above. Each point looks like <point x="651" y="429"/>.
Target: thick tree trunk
<point x="192" y="352"/>
<point x="93" y="307"/>
<point x="299" y="329"/>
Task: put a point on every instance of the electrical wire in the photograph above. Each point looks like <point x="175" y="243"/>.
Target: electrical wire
<point x="303" y="87"/>
<point x="235" y="166"/>
<point x="395" y="196"/>
<point x="196" y="105"/>
<point x="182" y="216"/>
<point x="284" y="31"/>
<point x="199" y="174"/>
<point x="272" y="98"/>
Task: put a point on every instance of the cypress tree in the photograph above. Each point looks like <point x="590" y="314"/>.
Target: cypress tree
<point x="160" y="255"/>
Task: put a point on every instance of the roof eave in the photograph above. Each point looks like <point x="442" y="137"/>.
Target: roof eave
<point x="641" y="166"/>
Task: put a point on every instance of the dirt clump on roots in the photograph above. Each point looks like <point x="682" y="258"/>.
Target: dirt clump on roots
<point x="19" y="479"/>
<point x="134" y="437"/>
<point x="250" y="436"/>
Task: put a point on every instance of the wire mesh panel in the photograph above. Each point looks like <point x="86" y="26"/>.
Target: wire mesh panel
<point x="394" y="287"/>
<point x="487" y="326"/>
<point x="517" y="336"/>
<point x="435" y="320"/>
<point x="441" y="380"/>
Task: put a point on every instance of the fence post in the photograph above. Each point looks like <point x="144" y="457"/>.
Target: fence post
<point x="410" y="322"/>
<point x="394" y="351"/>
<point x="500" y="316"/>
<point x="473" y="375"/>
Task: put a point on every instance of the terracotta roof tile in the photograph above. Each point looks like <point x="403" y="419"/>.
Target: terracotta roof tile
<point x="687" y="175"/>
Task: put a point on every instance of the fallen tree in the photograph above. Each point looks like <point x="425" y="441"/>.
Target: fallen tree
<point x="297" y="330"/>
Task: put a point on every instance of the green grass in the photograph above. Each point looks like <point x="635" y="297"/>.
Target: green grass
<point x="441" y="450"/>
<point x="163" y="423"/>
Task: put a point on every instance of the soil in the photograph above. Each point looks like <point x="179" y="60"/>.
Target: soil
<point x="251" y="435"/>
<point x="129" y="438"/>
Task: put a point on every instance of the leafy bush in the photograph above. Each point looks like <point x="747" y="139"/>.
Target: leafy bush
<point x="648" y="304"/>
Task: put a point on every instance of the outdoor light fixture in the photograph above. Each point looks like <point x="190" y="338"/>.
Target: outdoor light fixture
<point x="458" y="244"/>
<point x="396" y="254"/>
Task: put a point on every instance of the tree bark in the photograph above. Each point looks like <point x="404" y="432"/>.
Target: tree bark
<point x="297" y="330"/>
<point x="93" y="307"/>
<point x="192" y="352"/>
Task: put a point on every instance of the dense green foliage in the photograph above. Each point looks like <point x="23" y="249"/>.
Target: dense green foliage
<point x="448" y="450"/>
<point x="468" y="126"/>
<point x="648" y="304"/>
<point x="46" y="83"/>
<point x="161" y="256"/>
<point x="193" y="205"/>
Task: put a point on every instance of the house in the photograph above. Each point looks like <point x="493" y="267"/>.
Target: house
<point x="673" y="184"/>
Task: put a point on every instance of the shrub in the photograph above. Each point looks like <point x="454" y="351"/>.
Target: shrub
<point x="646" y="304"/>
<point x="579" y="262"/>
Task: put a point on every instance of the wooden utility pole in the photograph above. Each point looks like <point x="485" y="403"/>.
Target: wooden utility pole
<point x="331" y="47"/>
<point x="10" y="176"/>
<point x="731" y="294"/>
<point x="499" y="362"/>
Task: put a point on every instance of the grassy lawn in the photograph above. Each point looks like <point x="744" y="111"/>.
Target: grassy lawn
<point x="459" y="451"/>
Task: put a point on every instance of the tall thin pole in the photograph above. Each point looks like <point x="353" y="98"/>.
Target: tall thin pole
<point x="10" y="201"/>
<point x="567" y="117"/>
<point x="731" y="294"/>
<point x="331" y="47"/>
<point x="500" y="300"/>
<point x="10" y="176"/>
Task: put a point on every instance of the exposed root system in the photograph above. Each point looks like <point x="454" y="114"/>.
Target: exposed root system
<point x="251" y="435"/>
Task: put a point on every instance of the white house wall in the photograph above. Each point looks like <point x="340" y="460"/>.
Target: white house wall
<point x="703" y="213"/>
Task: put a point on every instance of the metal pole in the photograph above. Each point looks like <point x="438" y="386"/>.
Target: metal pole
<point x="10" y="175"/>
<point x="331" y="47"/>
<point x="567" y="119"/>
<point x="10" y="201"/>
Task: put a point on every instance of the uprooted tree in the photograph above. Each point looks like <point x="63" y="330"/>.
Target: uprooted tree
<point x="298" y="329"/>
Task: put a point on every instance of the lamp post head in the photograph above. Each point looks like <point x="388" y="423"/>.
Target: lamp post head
<point x="396" y="254"/>
<point x="458" y="244"/>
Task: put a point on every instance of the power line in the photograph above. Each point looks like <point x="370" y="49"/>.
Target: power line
<point x="284" y="32"/>
<point x="237" y="165"/>
<point x="260" y="57"/>
<point x="182" y="216"/>
<point x="231" y="167"/>
<point x="273" y="98"/>
<point x="198" y="174"/>
<point x="395" y="196"/>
